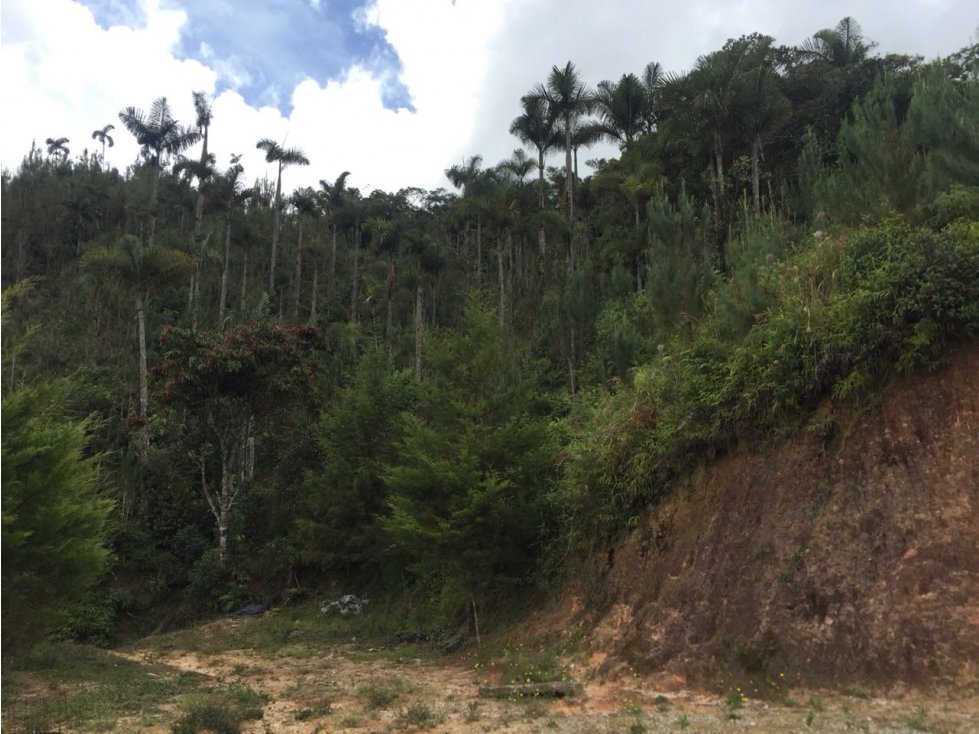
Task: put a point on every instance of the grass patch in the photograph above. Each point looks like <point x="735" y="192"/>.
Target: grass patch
<point x="379" y="694"/>
<point x="64" y="685"/>
<point x="419" y="716"/>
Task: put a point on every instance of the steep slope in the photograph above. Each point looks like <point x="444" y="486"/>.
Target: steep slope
<point x="847" y="553"/>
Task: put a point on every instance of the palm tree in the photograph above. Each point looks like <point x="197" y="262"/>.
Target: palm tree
<point x="652" y="82"/>
<point x="283" y="157"/>
<point x="840" y="46"/>
<point x="536" y="127"/>
<point x="332" y="199"/>
<point x="203" y="170"/>
<point x="160" y="136"/>
<point x="139" y="268"/>
<point x="467" y="178"/>
<point x="622" y="108"/>
<point x="518" y="165"/>
<point x="103" y="137"/>
<point x="231" y="191"/>
<point x="766" y="109"/>
<point x="58" y="147"/>
<point x="569" y="98"/>
<point x="305" y="202"/>
<point x="202" y="106"/>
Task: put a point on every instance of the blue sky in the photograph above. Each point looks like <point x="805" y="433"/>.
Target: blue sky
<point x="263" y="50"/>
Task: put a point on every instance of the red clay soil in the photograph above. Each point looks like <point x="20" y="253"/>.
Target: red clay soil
<point x="852" y="562"/>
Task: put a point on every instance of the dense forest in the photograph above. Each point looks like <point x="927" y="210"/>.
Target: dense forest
<point x="216" y="392"/>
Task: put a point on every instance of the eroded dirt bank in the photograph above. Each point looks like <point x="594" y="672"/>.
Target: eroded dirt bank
<point x="844" y="555"/>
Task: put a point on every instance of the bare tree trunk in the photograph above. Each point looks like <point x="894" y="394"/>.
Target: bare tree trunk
<point x="418" y="330"/>
<point x="223" y="300"/>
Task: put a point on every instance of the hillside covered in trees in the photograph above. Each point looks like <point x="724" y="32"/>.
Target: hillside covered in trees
<point x="217" y="391"/>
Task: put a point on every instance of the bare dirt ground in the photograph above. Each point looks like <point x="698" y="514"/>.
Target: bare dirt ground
<point x="356" y="688"/>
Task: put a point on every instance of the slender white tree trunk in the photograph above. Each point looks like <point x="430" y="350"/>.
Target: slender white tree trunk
<point x="144" y="394"/>
<point x="223" y="300"/>
<point x="277" y="207"/>
<point x="500" y="278"/>
<point x="418" y="331"/>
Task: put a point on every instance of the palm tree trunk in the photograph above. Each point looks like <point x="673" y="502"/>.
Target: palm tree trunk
<point x="755" y="173"/>
<point x="244" y="278"/>
<point x="540" y="169"/>
<point x="154" y="194"/>
<point x="499" y="276"/>
<point x="313" y="297"/>
<point x="479" y="253"/>
<point x="223" y="300"/>
<point x="144" y="394"/>
<point x="299" y="273"/>
<point x="353" y="289"/>
<point x="509" y="285"/>
<point x="568" y="172"/>
<point x="277" y="204"/>
<point x="418" y="331"/>
<point x="331" y="282"/>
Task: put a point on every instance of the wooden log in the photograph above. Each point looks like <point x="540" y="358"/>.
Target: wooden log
<point x="551" y="689"/>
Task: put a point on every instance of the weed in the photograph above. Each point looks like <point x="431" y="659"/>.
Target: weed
<point x="816" y="703"/>
<point x="735" y="699"/>
<point x="419" y="716"/>
<point x="916" y="721"/>
<point x="472" y="712"/>
<point x="810" y="717"/>
<point x="209" y="717"/>
<point x="683" y="721"/>
<point x="381" y="694"/>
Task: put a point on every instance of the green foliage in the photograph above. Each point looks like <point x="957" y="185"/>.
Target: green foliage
<point x="54" y="521"/>
<point x="844" y="315"/>
<point x="475" y="465"/>
<point x="347" y="498"/>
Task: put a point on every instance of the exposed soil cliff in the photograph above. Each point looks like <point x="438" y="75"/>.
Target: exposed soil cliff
<point x="844" y="556"/>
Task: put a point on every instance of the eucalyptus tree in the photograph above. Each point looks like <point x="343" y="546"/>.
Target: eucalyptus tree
<point x="283" y="158"/>
<point x="569" y="99"/>
<point x="159" y="136"/>
<point x="58" y="148"/>
<point x="139" y="268"/>
<point x="103" y="136"/>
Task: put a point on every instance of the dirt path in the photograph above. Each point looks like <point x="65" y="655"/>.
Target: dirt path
<point x="353" y="688"/>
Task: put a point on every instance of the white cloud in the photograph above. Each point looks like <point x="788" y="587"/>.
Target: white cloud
<point x="465" y="64"/>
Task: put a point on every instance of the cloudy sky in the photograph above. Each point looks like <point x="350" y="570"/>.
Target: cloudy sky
<point x="394" y="91"/>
